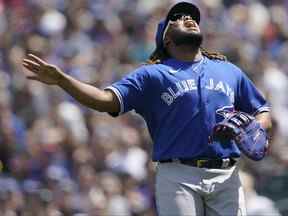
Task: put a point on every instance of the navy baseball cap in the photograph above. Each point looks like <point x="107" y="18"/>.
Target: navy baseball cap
<point x="179" y="8"/>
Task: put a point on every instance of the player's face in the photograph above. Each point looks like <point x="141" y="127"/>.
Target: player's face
<point x="184" y="22"/>
<point x="183" y="30"/>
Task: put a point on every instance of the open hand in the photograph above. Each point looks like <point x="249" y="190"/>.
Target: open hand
<point x="42" y="71"/>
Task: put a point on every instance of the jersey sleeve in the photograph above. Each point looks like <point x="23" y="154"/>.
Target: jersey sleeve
<point x="132" y="91"/>
<point x="248" y="97"/>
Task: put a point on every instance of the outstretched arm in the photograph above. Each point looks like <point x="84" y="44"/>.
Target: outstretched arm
<point x="88" y="95"/>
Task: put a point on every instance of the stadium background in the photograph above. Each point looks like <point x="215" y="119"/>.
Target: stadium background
<point x="60" y="158"/>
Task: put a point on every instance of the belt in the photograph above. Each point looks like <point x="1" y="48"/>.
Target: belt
<point x="204" y="163"/>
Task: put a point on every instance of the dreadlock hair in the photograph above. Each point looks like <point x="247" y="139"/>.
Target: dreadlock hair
<point x="160" y="54"/>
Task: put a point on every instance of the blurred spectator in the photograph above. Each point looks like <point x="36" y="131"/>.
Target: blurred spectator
<point x="129" y="158"/>
<point x="256" y="204"/>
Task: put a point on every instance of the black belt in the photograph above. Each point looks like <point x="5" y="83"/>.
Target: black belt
<point x="204" y="163"/>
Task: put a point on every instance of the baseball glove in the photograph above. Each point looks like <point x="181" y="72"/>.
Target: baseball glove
<point x="247" y="133"/>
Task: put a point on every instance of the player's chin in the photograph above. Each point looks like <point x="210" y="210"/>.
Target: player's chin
<point x="193" y="35"/>
<point x="184" y="37"/>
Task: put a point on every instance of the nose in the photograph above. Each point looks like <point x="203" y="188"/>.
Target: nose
<point x="189" y="22"/>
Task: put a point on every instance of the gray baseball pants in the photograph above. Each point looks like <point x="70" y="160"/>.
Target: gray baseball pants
<point x="183" y="190"/>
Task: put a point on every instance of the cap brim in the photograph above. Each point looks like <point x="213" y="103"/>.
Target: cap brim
<point x="187" y="8"/>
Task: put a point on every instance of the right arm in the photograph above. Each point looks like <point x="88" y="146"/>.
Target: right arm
<point x="88" y="95"/>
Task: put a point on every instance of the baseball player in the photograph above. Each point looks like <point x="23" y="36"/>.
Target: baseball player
<point x="182" y="93"/>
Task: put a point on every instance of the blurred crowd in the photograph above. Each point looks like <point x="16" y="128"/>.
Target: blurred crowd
<point x="60" y="158"/>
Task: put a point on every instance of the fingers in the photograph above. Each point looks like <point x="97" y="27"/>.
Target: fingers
<point x="34" y="63"/>
<point x="30" y="65"/>
<point x="37" y="59"/>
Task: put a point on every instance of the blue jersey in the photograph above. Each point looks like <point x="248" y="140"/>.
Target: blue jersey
<point x="182" y="101"/>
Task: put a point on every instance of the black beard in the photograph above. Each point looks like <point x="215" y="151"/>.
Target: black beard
<point x="191" y="39"/>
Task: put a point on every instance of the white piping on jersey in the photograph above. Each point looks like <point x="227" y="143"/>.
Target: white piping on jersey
<point x="262" y="109"/>
<point x="119" y="97"/>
